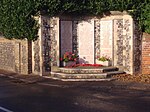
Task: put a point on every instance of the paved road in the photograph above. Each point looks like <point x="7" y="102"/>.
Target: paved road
<point x="18" y="96"/>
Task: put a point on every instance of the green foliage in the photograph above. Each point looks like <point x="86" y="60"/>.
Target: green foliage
<point x="141" y="12"/>
<point x="16" y="16"/>
<point x="103" y="58"/>
<point x="16" y="20"/>
<point x="145" y="16"/>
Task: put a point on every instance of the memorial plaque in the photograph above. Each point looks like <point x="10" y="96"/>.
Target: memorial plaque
<point x="66" y="36"/>
<point x="86" y="41"/>
<point x="106" y="38"/>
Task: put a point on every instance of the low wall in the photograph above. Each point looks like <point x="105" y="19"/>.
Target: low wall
<point x="15" y="55"/>
<point x="146" y="54"/>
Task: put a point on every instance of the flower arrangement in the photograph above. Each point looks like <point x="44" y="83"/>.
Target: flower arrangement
<point x="69" y="56"/>
<point x="84" y="65"/>
<point x="103" y="58"/>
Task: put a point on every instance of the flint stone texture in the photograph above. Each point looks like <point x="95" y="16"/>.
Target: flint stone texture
<point x="14" y="55"/>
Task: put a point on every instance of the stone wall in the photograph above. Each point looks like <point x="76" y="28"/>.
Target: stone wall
<point x="45" y="52"/>
<point x="14" y="55"/>
<point x="146" y="54"/>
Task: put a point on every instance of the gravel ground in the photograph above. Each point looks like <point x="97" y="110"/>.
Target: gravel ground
<point x="141" y="78"/>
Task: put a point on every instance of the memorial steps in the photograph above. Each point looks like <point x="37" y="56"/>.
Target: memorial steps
<point x="85" y="74"/>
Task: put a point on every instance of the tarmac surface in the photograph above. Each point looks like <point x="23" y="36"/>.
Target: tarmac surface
<point x="22" y="93"/>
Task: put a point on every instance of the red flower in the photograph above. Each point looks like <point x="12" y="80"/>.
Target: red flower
<point x="69" y="56"/>
<point x="75" y="59"/>
<point x="77" y="65"/>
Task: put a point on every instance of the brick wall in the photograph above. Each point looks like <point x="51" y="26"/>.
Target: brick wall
<point x="146" y="54"/>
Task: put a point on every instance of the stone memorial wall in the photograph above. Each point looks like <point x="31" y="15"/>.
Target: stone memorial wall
<point x="117" y="36"/>
<point x="110" y="36"/>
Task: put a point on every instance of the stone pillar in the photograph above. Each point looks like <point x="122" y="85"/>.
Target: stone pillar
<point x="97" y="31"/>
<point x="137" y="47"/>
<point x="45" y="45"/>
<point x="128" y="45"/>
<point x="24" y="57"/>
<point x="17" y="57"/>
<point x="45" y="50"/>
<point x="123" y="43"/>
<point x="36" y="52"/>
<point x="55" y="41"/>
<point x="41" y="47"/>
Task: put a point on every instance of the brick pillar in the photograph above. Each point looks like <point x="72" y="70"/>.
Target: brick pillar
<point x="146" y="54"/>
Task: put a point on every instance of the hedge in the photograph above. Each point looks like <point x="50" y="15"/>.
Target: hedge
<point x="16" y="16"/>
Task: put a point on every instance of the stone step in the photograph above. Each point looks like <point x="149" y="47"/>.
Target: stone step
<point x="77" y="76"/>
<point x="61" y="75"/>
<point x="87" y="70"/>
<point x="109" y="69"/>
<point x="110" y="74"/>
<point x="105" y="79"/>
